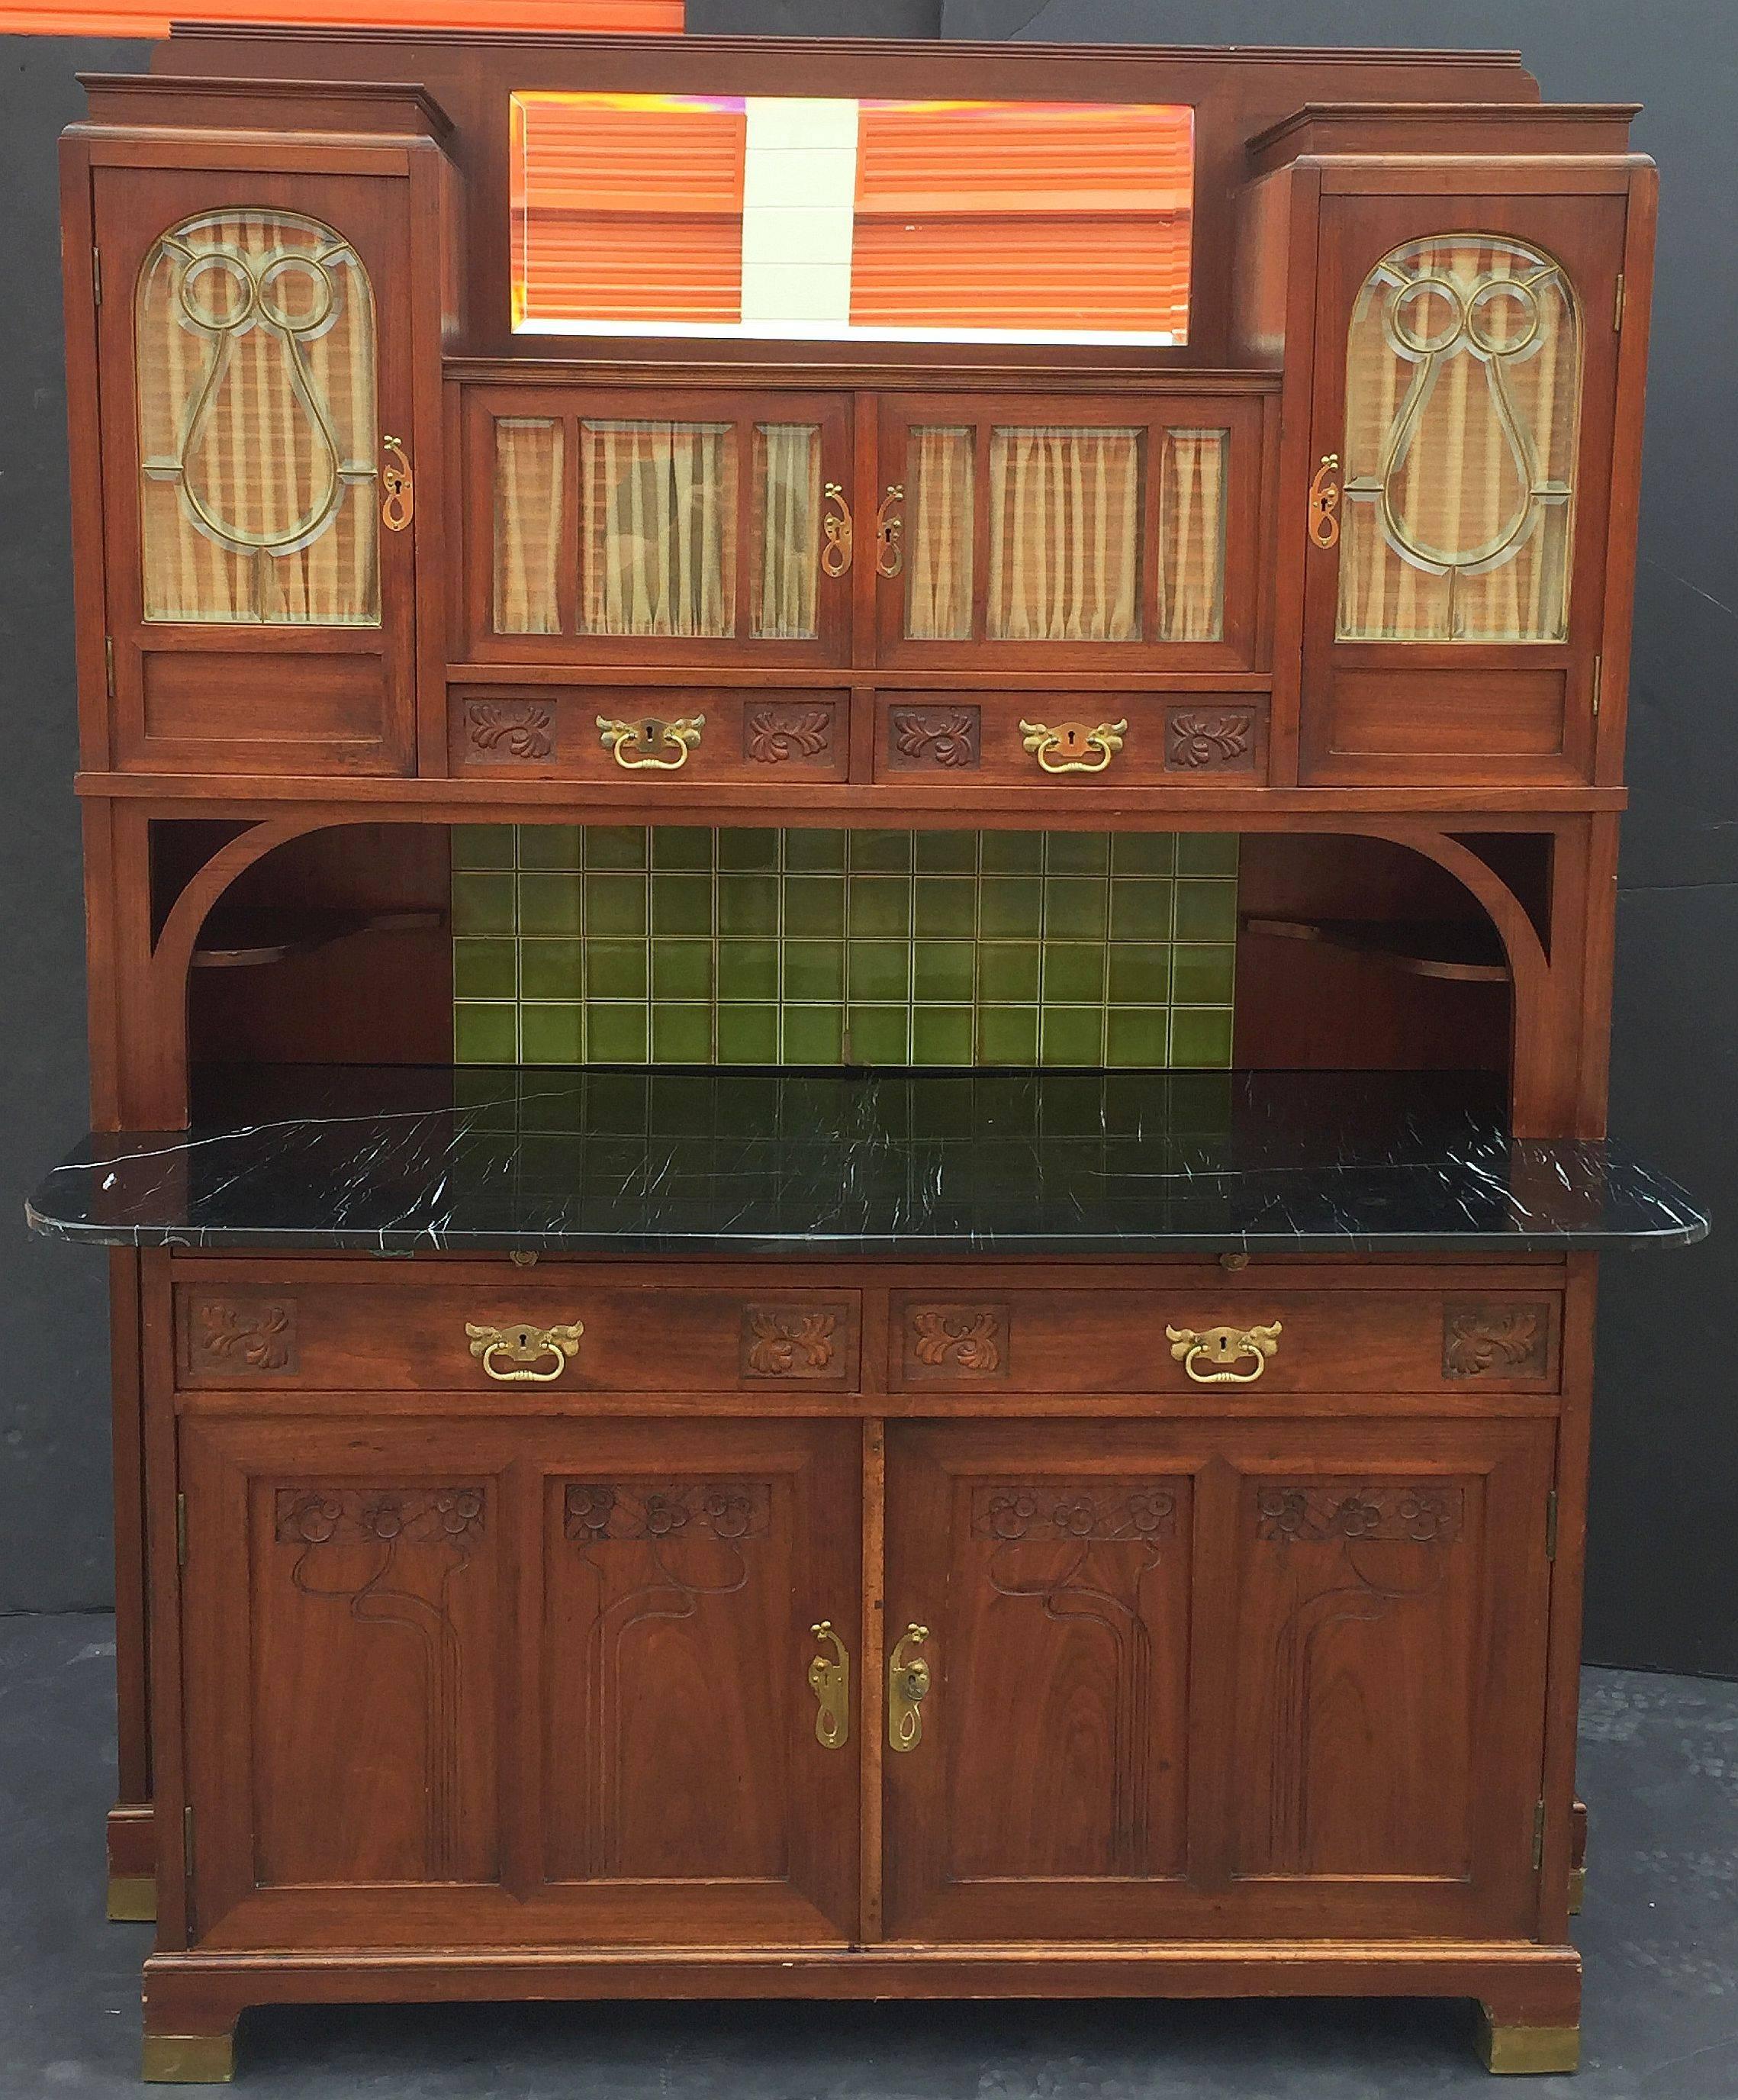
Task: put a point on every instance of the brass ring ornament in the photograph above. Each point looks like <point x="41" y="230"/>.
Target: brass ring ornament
<point x="1323" y="502"/>
<point x="637" y="745"/>
<point x="836" y="526"/>
<point x="889" y="528"/>
<point x="1073" y="748"/>
<point x="829" y="1681"/>
<point x="907" y="1687"/>
<point x="397" y="486"/>
<point x="1223" y="1349"/>
<point x="536" y="1355"/>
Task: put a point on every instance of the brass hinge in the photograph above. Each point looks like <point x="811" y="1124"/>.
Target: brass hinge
<point x="108" y="663"/>
<point x="1617" y="306"/>
<point x="1550" y="1525"/>
<point x="1599" y="674"/>
<point x="96" y="276"/>
<point x="187" y="1839"/>
<point x="1538" y="1834"/>
<point x="181" y="1530"/>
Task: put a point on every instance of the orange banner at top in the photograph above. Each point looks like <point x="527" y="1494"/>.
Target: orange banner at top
<point x="150" y="17"/>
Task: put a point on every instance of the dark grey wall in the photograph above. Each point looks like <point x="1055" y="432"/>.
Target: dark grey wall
<point x="1665" y="1565"/>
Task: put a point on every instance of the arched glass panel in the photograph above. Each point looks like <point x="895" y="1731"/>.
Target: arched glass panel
<point x="1462" y="404"/>
<point x="255" y="342"/>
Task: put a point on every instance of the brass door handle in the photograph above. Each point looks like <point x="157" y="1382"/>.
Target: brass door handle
<point x="1222" y="1349"/>
<point x="398" y="487"/>
<point x="907" y="1687"/>
<point x="889" y="529"/>
<point x="637" y="744"/>
<point x="829" y="1681"/>
<point x="1073" y="748"/>
<point x="1324" y="502"/>
<point x="536" y="1354"/>
<point x="836" y="526"/>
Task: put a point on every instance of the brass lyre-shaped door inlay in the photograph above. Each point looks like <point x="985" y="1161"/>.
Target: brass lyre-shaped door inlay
<point x="639" y="744"/>
<point x="516" y="1355"/>
<point x="1211" y="1357"/>
<point x="836" y="528"/>
<point x="1324" y="502"/>
<point x="398" y="487"/>
<point x="907" y="1687"/>
<point x="829" y="1681"/>
<point x="1073" y="747"/>
<point x="889" y="532"/>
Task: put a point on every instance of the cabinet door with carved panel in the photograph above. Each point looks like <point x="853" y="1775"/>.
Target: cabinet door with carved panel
<point x="1038" y="1603"/>
<point x="1465" y="393"/>
<point x="345" y="1615"/>
<point x="256" y="354"/>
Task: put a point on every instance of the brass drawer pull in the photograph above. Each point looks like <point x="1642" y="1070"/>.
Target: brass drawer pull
<point x="907" y="1687"/>
<point x="538" y="1354"/>
<point x="1324" y="502"/>
<point x="836" y="528"/>
<point x="829" y="1681"/>
<point x="398" y="488"/>
<point x="637" y="744"/>
<point x="1224" y="1346"/>
<point x="1073" y="748"/>
<point x="889" y="529"/>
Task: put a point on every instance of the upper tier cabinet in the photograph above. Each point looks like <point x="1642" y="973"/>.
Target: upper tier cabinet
<point x="264" y="312"/>
<point x="666" y="527"/>
<point x="1474" y="404"/>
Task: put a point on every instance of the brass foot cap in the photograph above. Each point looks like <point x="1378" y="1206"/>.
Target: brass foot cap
<point x="189" y="2059"/>
<point x="1577" y="1889"/>
<point x="132" y="1899"/>
<point x="1507" y="2049"/>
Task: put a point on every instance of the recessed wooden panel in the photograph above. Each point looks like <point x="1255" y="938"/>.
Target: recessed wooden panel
<point x="1070" y="739"/>
<point x="756" y="739"/>
<point x="235" y="710"/>
<point x="1384" y="723"/>
<point x="365" y="1336"/>
<point x="1086" y="1341"/>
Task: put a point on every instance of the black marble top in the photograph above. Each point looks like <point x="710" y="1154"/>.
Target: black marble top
<point x="619" y="1161"/>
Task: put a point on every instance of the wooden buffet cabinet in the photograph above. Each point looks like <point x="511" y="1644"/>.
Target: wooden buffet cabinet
<point x="1161" y="1574"/>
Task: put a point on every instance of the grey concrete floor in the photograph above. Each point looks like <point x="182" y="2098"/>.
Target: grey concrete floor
<point x="1659" y="1770"/>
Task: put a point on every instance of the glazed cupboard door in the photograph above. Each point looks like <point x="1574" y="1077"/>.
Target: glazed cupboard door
<point x="254" y="353"/>
<point x="673" y="527"/>
<point x="1215" y="1680"/>
<point x="532" y="1682"/>
<point x="1462" y="432"/>
<point x="1037" y="532"/>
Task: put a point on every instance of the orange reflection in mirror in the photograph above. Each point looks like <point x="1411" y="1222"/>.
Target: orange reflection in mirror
<point x="829" y="218"/>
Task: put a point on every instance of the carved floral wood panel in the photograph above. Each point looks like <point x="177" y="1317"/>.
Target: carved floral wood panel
<point x="239" y="1335"/>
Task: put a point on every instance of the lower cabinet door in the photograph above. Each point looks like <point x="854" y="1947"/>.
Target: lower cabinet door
<point x="1218" y="1679"/>
<point x="533" y="1683"/>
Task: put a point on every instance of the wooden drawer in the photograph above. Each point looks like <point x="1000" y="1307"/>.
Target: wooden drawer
<point x="1350" y="1340"/>
<point x="369" y="1334"/>
<point x="1105" y="739"/>
<point x="552" y="733"/>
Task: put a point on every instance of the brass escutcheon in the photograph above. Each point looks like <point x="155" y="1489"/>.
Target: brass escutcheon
<point x="398" y="488"/>
<point x="907" y="1687"/>
<point x="889" y="528"/>
<point x="829" y="1681"/>
<point x="1073" y="748"/>
<point x="637" y="744"/>
<point x="836" y="526"/>
<point x="527" y="1348"/>
<point x="1324" y="502"/>
<point x="1224" y="1348"/>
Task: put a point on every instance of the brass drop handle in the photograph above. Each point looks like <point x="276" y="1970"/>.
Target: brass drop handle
<point x="907" y="1687"/>
<point x="514" y="1355"/>
<point x="639" y="744"/>
<point x="398" y="487"/>
<point x="836" y="528"/>
<point x="829" y="1681"/>
<point x="1222" y="1349"/>
<point x="889" y="532"/>
<point x="1072" y="747"/>
<point x="1324" y="502"/>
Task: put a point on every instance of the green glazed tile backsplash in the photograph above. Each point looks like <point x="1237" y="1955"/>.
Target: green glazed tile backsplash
<point x="622" y="945"/>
